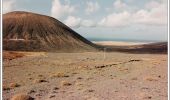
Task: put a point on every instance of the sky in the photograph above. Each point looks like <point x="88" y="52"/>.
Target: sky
<point x="141" y="20"/>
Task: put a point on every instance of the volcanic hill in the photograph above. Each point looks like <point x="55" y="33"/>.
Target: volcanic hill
<point x="26" y="31"/>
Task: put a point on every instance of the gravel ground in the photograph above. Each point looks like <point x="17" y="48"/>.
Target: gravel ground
<point x="87" y="76"/>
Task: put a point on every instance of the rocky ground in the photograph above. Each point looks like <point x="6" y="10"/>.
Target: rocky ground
<point x="86" y="76"/>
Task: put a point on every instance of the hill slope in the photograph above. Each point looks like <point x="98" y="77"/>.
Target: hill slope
<point x="25" y="31"/>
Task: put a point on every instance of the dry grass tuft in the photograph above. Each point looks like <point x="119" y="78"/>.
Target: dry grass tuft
<point x="59" y="75"/>
<point x="151" y="79"/>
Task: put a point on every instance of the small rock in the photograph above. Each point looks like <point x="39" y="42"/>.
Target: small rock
<point x="100" y="66"/>
<point x="116" y="91"/>
<point x="79" y="78"/>
<point x="54" y="92"/>
<point x="40" y="75"/>
<point x="90" y="90"/>
<point x="132" y="60"/>
<point x="74" y="73"/>
<point x="30" y="78"/>
<point x="55" y="88"/>
<point x="149" y="97"/>
<point x="40" y="81"/>
<point x="65" y="83"/>
<point x="144" y="88"/>
<point x="5" y="88"/>
<point x="52" y="96"/>
<point x="134" y="78"/>
<point x="13" y="85"/>
<point x="38" y="95"/>
<point x="31" y="91"/>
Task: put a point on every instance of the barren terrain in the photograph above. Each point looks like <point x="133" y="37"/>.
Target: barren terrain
<point x="86" y="76"/>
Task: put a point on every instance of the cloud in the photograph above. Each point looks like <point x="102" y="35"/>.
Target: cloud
<point x="116" y="20"/>
<point x="88" y="23"/>
<point x="92" y="7"/>
<point x="59" y="10"/>
<point x="152" y="4"/>
<point x="76" y="22"/>
<point x="154" y="13"/>
<point x="118" y="4"/>
<point x="8" y="5"/>
<point x="73" y="22"/>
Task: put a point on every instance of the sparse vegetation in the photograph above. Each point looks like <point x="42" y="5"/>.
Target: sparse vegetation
<point x="59" y="75"/>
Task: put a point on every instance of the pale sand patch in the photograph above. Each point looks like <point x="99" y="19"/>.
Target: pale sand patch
<point x="34" y="53"/>
<point x="117" y="43"/>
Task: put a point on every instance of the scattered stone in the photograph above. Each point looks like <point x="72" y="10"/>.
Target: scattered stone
<point x="55" y="88"/>
<point x="65" y="83"/>
<point x="90" y="90"/>
<point x="134" y="78"/>
<point x="124" y="69"/>
<point x="89" y="78"/>
<point x="79" y="78"/>
<point x="38" y="95"/>
<point x="30" y="78"/>
<point x="29" y="74"/>
<point x="100" y="66"/>
<point x="79" y="88"/>
<point x="144" y="88"/>
<point x="116" y="91"/>
<point x="133" y="60"/>
<point x="22" y="97"/>
<point x="5" y="88"/>
<point x="78" y="84"/>
<point x="52" y="96"/>
<point x="113" y="64"/>
<point x="40" y="75"/>
<point x="41" y="90"/>
<point x="40" y="81"/>
<point x="31" y="91"/>
<point x="63" y="91"/>
<point x="148" y="97"/>
<point x="74" y="73"/>
<point x="13" y="85"/>
<point x="54" y="92"/>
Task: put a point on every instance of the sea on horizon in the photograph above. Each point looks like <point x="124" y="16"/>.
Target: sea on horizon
<point x="124" y="40"/>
